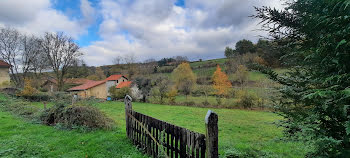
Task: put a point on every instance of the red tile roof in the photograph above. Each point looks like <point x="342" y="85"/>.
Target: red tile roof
<point x="124" y="84"/>
<point x="4" y="64"/>
<point x="87" y="85"/>
<point x="114" y="77"/>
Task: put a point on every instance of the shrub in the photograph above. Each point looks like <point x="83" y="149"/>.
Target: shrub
<point x="205" y="103"/>
<point x="76" y="116"/>
<point x="62" y="97"/>
<point x="245" y="99"/>
<point x="41" y="96"/>
<point x="219" y="100"/>
<point x="171" y="95"/>
<point x="189" y="103"/>
<point x="5" y="84"/>
<point x="28" y="91"/>
<point x="121" y="93"/>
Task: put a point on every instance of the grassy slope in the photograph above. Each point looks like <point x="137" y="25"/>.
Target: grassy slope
<point x="243" y="130"/>
<point x="237" y="128"/>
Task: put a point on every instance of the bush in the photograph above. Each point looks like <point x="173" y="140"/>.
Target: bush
<point x="189" y="103"/>
<point x="245" y="99"/>
<point x="171" y="95"/>
<point x="119" y="93"/>
<point x="41" y="96"/>
<point x="76" y="116"/>
<point x="62" y="97"/>
<point x="219" y="100"/>
<point x="205" y="103"/>
<point x="5" y="84"/>
<point x="28" y="91"/>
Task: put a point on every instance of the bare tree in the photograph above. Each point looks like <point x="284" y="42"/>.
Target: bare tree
<point x="61" y="52"/>
<point x="30" y="52"/>
<point x="117" y="60"/>
<point x="40" y="63"/>
<point x="130" y="58"/>
<point x="10" y="51"/>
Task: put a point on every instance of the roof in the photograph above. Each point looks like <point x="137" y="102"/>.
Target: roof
<point x="124" y="84"/>
<point x="4" y="64"/>
<point x="87" y="85"/>
<point x="114" y="77"/>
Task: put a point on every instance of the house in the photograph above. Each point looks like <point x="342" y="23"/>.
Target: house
<point x="99" y="89"/>
<point x="4" y="72"/>
<point x="50" y="84"/>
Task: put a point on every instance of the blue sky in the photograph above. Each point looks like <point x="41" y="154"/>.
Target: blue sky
<point x="107" y="29"/>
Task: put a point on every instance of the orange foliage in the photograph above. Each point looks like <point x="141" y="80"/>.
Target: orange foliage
<point x="221" y="83"/>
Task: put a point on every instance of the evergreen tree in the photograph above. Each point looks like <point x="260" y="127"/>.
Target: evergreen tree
<point x="315" y="94"/>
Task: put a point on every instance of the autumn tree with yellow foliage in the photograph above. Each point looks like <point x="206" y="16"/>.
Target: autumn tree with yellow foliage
<point x="221" y="84"/>
<point x="28" y="89"/>
<point x="184" y="79"/>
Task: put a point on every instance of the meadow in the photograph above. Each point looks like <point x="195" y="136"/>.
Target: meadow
<point x="241" y="132"/>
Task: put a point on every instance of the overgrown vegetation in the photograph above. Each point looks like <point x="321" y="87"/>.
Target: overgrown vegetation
<point x="76" y="116"/>
<point x="81" y="115"/>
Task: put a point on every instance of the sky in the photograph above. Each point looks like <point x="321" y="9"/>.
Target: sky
<point x="146" y="29"/>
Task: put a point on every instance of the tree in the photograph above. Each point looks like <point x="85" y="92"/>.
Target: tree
<point x="245" y="46"/>
<point x="78" y="70"/>
<point x="229" y="52"/>
<point x="61" y="52"/>
<point x="10" y="51"/>
<point x="184" y="78"/>
<point x="117" y="60"/>
<point x="242" y="74"/>
<point x="31" y="51"/>
<point x="100" y="74"/>
<point x="145" y="85"/>
<point x="270" y="52"/>
<point x="161" y="87"/>
<point x="28" y="90"/>
<point x="119" y="93"/>
<point x="315" y="94"/>
<point x="221" y="84"/>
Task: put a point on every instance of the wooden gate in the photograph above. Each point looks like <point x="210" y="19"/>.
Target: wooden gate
<point x="161" y="139"/>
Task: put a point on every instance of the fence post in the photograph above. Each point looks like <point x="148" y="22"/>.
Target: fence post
<point x="128" y="109"/>
<point x="211" y="124"/>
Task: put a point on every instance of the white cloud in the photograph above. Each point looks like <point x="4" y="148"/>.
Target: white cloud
<point x="158" y="28"/>
<point x="146" y="28"/>
<point x="38" y="16"/>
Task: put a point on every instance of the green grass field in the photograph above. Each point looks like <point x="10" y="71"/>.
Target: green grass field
<point x="239" y="130"/>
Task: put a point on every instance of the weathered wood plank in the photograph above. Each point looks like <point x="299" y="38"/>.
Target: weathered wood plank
<point x="197" y="144"/>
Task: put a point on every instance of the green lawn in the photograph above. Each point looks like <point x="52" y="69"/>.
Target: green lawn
<point x="19" y="138"/>
<point x="246" y="131"/>
<point x="239" y="129"/>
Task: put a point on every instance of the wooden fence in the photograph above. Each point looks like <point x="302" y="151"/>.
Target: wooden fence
<point x="161" y="139"/>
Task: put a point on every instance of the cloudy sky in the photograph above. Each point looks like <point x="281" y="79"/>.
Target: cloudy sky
<point x="155" y="29"/>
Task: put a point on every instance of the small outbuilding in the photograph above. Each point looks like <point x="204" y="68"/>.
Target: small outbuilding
<point x="4" y="72"/>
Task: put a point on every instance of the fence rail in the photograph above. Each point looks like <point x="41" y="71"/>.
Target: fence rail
<point x="158" y="138"/>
